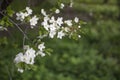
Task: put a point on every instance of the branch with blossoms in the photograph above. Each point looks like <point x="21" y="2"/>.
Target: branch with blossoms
<point x="49" y="26"/>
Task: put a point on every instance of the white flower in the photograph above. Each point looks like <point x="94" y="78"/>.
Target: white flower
<point x="52" y="34"/>
<point x="41" y="47"/>
<point x="20" y="70"/>
<point x="71" y="3"/>
<point x="29" y="56"/>
<point x="19" y="58"/>
<point x="43" y="12"/>
<point x="76" y="19"/>
<point x="52" y="20"/>
<point x="20" y="16"/>
<point x="62" y="6"/>
<point x="40" y="53"/>
<point x="79" y="26"/>
<point x="57" y="11"/>
<point x="60" y="34"/>
<point x="33" y="21"/>
<point x="79" y="36"/>
<point x="68" y="22"/>
<point x="52" y="27"/>
<point x="29" y="11"/>
<point x="45" y="23"/>
<point x="66" y="29"/>
<point x="59" y="21"/>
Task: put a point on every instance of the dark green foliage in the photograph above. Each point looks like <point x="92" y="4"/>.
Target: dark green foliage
<point x="96" y="56"/>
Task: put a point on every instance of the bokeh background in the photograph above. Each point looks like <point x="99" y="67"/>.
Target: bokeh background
<point x="96" y="56"/>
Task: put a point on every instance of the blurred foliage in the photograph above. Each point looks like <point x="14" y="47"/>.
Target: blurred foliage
<point x="96" y="56"/>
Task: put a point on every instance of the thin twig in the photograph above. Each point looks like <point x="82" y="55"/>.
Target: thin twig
<point x="16" y="25"/>
<point x="24" y="37"/>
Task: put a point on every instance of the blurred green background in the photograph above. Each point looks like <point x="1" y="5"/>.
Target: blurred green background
<point x="96" y="56"/>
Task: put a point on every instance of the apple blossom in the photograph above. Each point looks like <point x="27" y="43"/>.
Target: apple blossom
<point x="33" y="21"/>
<point x="57" y="11"/>
<point x="50" y="26"/>
<point x="76" y="19"/>
<point x="62" y="5"/>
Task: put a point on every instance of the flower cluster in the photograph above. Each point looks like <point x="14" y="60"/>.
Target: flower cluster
<point x="26" y="14"/>
<point x="29" y="55"/>
<point x="56" y="26"/>
<point x="53" y="26"/>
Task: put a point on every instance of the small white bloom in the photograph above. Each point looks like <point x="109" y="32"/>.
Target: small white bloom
<point x="43" y="12"/>
<point x="62" y="6"/>
<point x="71" y="3"/>
<point x="57" y="11"/>
<point x="79" y="26"/>
<point x="20" y="16"/>
<point x="76" y="19"/>
<point x="68" y="22"/>
<point x="29" y="11"/>
<point x="52" y="27"/>
<point x="52" y="20"/>
<point x="60" y="34"/>
<point x="45" y="23"/>
<point x="29" y="56"/>
<point x="20" y="70"/>
<point x="52" y="34"/>
<point x="19" y="58"/>
<point x="33" y="21"/>
<point x="59" y="21"/>
<point x="79" y="36"/>
<point x="41" y="47"/>
<point x="40" y="53"/>
<point x="66" y="29"/>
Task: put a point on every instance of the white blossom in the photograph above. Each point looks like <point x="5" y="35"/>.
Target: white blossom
<point x="76" y="19"/>
<point x="66" y="29"/>
<point x="43" y="12"/>
<point x="52" y="34"/>
<point x="79" y="26"/>
<point x="19" y="58"/>
<point x="60" y="34"/>
<point x="20" y="70"/>
<point x="52" y="27"/>
<point x="33" y="21"/>
<point x="79" y="36"/>
<point x="29" y="11"/>
<point x="29" y="56"/>
<point x="41" y="47"/>
<point x="20" y="16"/>
<point x="52" y="19"/>
<point x="68" y="22"/>
<point x="71" y="3"/>
<point x="57" y="11"/>
<point x="45" y="23"/>
<point x="62" y="5"/>
<point x="40" y="53"/>
<point x="59" y="21"/>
